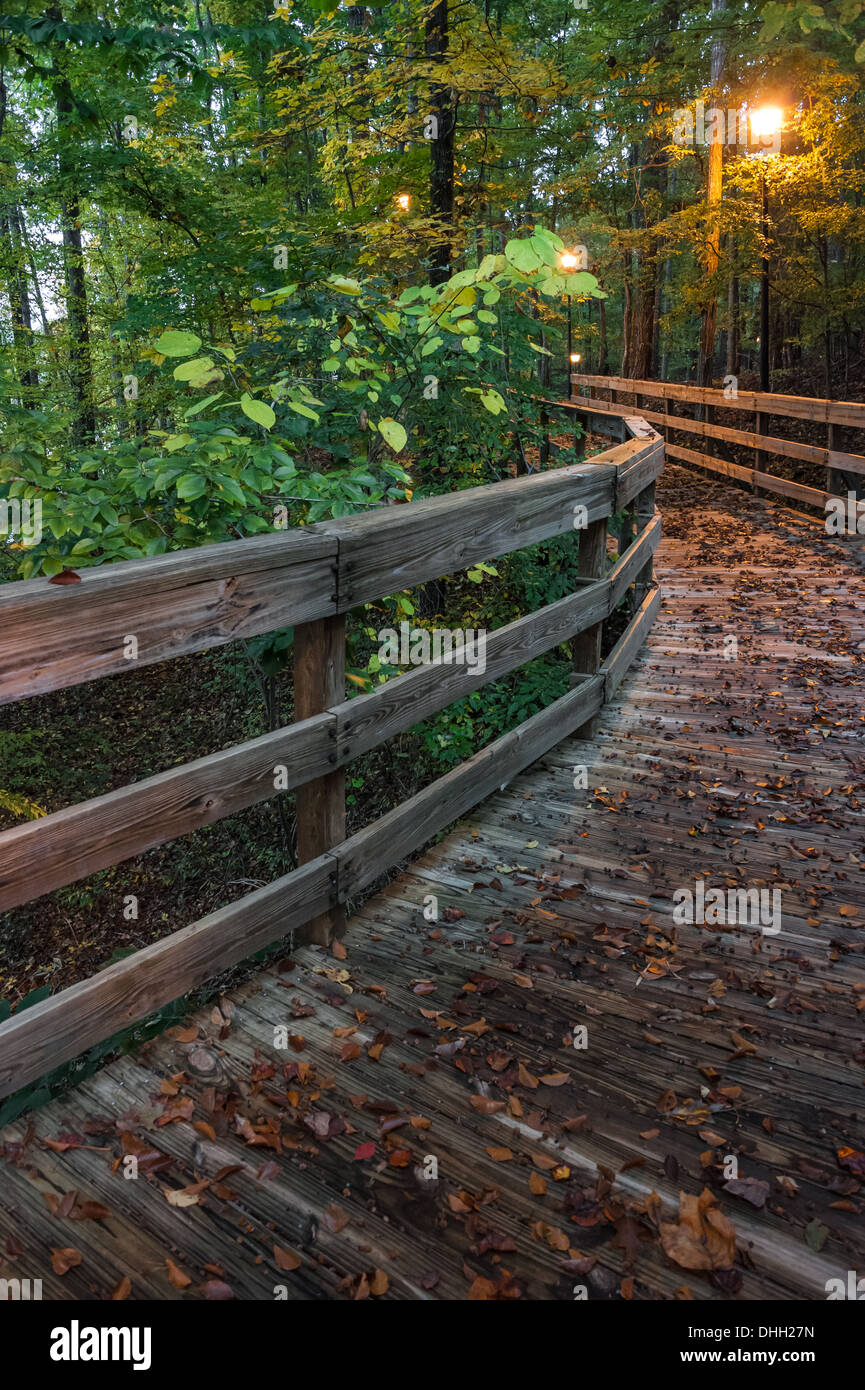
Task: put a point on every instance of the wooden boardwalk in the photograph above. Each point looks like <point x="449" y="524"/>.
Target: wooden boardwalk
<point x="430" y="1131"/>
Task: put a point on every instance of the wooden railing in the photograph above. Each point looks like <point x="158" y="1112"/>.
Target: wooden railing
<point x="56" y="636"/>
<point x="835" y="415"/>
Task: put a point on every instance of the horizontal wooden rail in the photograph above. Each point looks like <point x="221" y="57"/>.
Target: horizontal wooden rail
<point x="53" y="636"/>
<point x="788" y="448"/>
<point x="834" y="414"/>
<point x="851" y="413"/>
<point x="206" y="597"/>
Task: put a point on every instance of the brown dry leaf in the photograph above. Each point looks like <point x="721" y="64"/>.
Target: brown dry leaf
<point x="486" y="1105"/>
<point x="335" y="1218"/>
<point x="286" y="1259"/>
<point x="339" y="950"/>
<point x="525" y="1076"/>
<point x="122" y="1289"/>
<point x="703" y="1238"/>
<point x="537" y="1184"/>
<point x="555" y="1078"/>
<point x="65" y="1259"/>
<point x="500" y="1155"/>
<point x="523" y="981"/>
<point x="379" y="1283"/>
<point x="176" y="1276"/>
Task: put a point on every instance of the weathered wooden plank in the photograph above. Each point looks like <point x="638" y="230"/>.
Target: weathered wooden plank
<point x="319" y="682"/>
<point x="402" y="546"/>
<point x="374" y="849"/>
<point x="53" y="636"/>
<point x="625" y="571"/>
<point x="637" y="476"/>
<point x="48" y="1034"/>
<point x="787" y="448"/>
<point x="850" y="413"/>
<point x="615" y="668"/>
<point x="716" y="465"/>
<point x="46" y="854"/>
<point x="369" y="720"/>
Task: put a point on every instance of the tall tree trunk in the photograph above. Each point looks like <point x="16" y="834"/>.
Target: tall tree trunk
<point x="77" y="318"/>
<point x="708" y="314"/>
<point x="732" y="367"/>
<point x="441" y="178"/>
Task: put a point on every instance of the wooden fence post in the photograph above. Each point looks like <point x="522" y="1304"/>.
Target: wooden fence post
<point x="319" y="683"/>
<point x="644" y="513"/>
<point x="759" y="455"/>
<point x="834" y="481"/>
<point x="586" y="646"/>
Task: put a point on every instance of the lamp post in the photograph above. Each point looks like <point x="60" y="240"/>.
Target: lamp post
<point x="765" y="122"/>
<point x="569" y="262"/>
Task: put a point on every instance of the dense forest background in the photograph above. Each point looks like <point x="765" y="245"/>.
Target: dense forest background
<point x="263" y="267"/>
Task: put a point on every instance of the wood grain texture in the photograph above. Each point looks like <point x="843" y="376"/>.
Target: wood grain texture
<point x="700" y="770"/>
<point x="369" y="720"/>
<point x="53" y="636"/>
<point x="403" y="830"/>
<point x="851" y="413"/>
<point x="319" y="683"/>
<point x="789" y="448"/>
<point x="48" y="1034"/>
<point x="55" y="850"/>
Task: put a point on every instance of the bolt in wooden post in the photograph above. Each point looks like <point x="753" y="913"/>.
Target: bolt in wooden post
<point x="319" y="683"/>
<point x="586" y="646"/>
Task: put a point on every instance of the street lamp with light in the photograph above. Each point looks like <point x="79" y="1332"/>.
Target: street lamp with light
<point x="403" y="200"/>
<point x="569" y="261"/>
<point x="765" y="122"/>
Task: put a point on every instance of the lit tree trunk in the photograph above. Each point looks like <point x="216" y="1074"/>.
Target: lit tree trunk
<point x="441" y="180"/>
<point x="708" y="315"/>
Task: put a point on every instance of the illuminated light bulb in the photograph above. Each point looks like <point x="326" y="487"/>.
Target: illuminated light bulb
<point x="403" y="201"/>
<point x="569" y="260"/>
<point x="766" y="122"/>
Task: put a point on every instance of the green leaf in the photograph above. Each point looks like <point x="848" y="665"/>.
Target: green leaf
<point x="522" y="255"/>
<point x="392" y="433"/>
<point x="199" y="366"/>
<point x="202" y="405"/>
<point x="343" y="284"/>
<point x="259" y="411"/>
<point x="303" y="410"/>
<point x="176" y="441"/>
<point x="190" y="486"/>
<point x="175" y="343"/>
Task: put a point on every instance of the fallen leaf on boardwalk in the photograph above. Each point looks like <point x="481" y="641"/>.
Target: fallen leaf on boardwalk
<point x="365" y="1150"/>
<point x="537" y="1184"/>
<point x="122" y="1289"/>
<point x="525" y="1076"/>
<point x="217" y="1291"/>
<point x="286" y="1259"/>
<point x="379" y="1283"/>
<point x="555" y="1239"/>
<point x="816" y="1235"/>
<point x="703" y="1238"/>
<point x="349" y="1052"/>
<point x="338" y="950"/>
<point x="544" y="1161"/>
<point x="750" y="1189"/>
<point x="500" y="1155"/>
<point x="555" y="1078"/>
<point x="176" y="1276"/>
<point x="178" y="1197"/>
<point x="524" y="981"/>
<point x="65" y="1259"/>
<point x="335" y="1218"/>
<point x="852" y="1159"/>
<point x="486" y="1106"/>
<point x="848" y="910"/>
<point x="400" y="1158"/>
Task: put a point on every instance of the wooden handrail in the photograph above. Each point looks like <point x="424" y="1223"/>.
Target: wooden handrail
<point x="206" y="597"/>
<point x="834" y="414"/>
